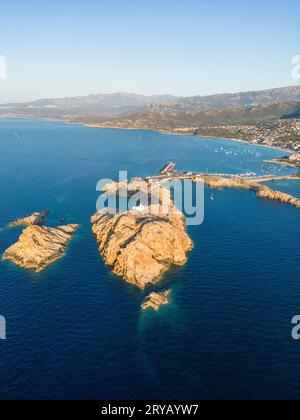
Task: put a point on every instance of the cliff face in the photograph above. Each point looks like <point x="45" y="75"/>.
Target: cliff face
<point x="39" y="246"/>
<point x="34" y="219"/>
<point x="141" y="246"/>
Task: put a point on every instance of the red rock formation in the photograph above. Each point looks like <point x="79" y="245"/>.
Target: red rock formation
<point x="141" y="246"/>
<point x="40" y="246"/>
<point x="34" y="219"/>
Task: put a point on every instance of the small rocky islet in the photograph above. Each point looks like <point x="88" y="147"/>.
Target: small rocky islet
<point x="155" y="300"/>
<point x="40" y="246"/>
<point x="34" y="219"/>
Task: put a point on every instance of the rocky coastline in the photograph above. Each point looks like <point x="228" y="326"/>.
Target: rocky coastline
<point x="292" y="161"/>
<point x="40" y="246"/>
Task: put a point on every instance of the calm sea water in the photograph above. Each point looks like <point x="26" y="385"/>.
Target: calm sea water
<point x="76" y="330"/>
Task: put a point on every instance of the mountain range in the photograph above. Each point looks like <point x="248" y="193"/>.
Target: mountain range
<point x="110" y="106"/>
<point x="194" y="119"/>
<point x="100" y="105"/>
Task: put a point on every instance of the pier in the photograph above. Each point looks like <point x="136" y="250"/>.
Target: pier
<point x="196" y="176"/>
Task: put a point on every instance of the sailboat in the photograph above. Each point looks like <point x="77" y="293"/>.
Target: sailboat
<point x="212" y="197"/>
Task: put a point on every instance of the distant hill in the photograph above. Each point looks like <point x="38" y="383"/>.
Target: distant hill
<point x="102" y="105"/>
<point x="224" y="101"/>
<point x="167" y="121"/>
<point x="118" y="105"/>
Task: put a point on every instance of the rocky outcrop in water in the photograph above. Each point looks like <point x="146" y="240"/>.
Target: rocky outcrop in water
<point x="34" y="219"/>
<point x="156" y="300"/>
<point x="141" y="244"/>
<point x="262" y="191"/>
<point x="40" y="246"/>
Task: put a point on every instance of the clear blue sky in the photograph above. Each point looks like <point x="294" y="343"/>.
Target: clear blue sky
<point x="183" y="47"/>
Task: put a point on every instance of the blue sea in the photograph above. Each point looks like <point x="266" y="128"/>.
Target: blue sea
<point x="76" y="331"/>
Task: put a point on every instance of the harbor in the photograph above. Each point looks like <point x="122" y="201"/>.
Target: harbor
<point x="169" y="173"/>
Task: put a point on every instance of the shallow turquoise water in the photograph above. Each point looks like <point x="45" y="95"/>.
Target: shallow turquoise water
<point x="76" y="330"/>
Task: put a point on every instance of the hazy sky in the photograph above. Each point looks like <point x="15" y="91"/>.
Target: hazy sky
<point x="183" y="47"/>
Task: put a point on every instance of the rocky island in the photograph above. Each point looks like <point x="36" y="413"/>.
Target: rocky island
<point x="33" y="219"/>
<point x="143" y="243"/>
<point x="156" y="300"/>
<point x="40" y="246"/>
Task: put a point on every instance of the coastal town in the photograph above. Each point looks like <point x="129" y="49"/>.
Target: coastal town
<point x="281" y="133"/>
